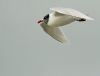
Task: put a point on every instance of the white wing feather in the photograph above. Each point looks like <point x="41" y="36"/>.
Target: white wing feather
<point x="71" y="12"/>
<point x="56" y="33"/>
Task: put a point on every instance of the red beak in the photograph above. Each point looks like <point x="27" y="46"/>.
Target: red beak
<point x="40" y="21"/>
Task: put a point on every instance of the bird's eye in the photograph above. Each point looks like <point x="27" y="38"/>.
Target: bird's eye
<point x="46" y="16"/>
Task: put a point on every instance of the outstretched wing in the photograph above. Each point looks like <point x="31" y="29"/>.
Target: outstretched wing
<point x="72" y="12"/>
<point x="56" y="33"/>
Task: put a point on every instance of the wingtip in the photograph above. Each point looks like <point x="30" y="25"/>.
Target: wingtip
<point x="91" y="18"/>
<point x="64" y="41"/>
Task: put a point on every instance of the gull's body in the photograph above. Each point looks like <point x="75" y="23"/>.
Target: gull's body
<point x="59" y="17"/>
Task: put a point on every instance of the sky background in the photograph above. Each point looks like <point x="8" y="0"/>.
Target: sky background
<point x="26" y="50"/>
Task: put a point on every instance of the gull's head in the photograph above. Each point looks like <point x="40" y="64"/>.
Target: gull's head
<point x="44" y="20"/>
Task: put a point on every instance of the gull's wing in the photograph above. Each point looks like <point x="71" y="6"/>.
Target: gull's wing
<point x="72" y="12"/>
<point x="56" y="33"/>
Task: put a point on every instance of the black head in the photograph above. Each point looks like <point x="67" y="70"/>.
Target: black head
<point x="46" y="17"/>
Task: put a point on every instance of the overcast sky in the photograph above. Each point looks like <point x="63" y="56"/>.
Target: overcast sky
<point x="26" y="50"/>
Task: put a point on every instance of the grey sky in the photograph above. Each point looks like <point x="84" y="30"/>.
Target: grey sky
<point x="26" y="50"/>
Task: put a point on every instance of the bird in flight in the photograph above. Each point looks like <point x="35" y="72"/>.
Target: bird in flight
<point x="52" y="22"/>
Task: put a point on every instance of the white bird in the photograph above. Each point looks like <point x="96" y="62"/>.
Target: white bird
<point x="59" y="17"/>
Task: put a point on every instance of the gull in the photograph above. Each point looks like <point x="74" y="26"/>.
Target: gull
<point x="52" y="22"/>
